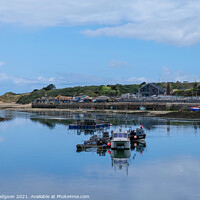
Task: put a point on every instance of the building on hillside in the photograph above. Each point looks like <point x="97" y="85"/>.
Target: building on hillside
<point x="101" y="99"/>
<point x="151" y="89"/>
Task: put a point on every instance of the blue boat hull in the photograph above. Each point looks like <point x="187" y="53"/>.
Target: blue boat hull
<point x="89" y="126"/>
<point x="195" y="109"/>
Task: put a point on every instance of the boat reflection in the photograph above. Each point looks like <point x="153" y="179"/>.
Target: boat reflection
<point x="85" y="132"/>
<point x="100" y="152"/>
<point x="138" y="146"/>
<point x="120" y="159"/>
<point x="2" y="119"/>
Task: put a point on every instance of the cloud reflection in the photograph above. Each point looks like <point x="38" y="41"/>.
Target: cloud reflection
<point x="176" y="178"/>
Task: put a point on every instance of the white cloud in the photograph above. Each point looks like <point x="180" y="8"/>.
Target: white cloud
<point x="170" y="75"/>
<point x="163" y="32"/>
<point x="23" y="80"/>
<point x="167" y="21"/>
<point x="118" y="64"/>
<point x="63" y="80"/>
<point x="82" y="79"/>
<point x="45" y="80"/>
<point x="1" y="63"/>
<point x="138" y="80"/>
<point x="3" y="77"/>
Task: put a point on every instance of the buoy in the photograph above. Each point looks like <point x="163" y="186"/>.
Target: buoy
<point x="109" y="144"/>
<point x="135" y="144"/>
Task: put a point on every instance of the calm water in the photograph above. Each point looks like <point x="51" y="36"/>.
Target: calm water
<point x="38" y="156"/>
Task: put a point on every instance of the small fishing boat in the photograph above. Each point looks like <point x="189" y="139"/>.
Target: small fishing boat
<point x="197" y="108"/>
<point x="142" y="108"/>
<point x="120" y="140"/>
<point x="100" y="142"/>
<point x="139" y="134"/>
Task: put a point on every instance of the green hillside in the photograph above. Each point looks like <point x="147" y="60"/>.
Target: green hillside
<point x="10" y="97"/>
<point x="183" y="89"/>
<point x="92" y="91"/>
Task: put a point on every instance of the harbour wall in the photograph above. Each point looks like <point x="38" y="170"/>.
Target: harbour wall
<point x="119" y="105"/>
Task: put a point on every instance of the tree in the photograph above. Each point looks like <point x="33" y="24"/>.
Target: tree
<point x="168" y="88"/>
<point x="143" y="83"/>
<point x="50" y="87"/>
<point x="195" y="88"/>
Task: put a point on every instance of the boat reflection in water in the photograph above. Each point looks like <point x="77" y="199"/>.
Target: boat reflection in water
<point x="121" y="157"/>
<point x="138" y="146"/>
<point x="100" y="152"/>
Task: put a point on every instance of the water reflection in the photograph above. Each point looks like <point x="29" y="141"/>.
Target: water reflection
<point x="51" y="123"/>
<point x="38" y="156"/>
<point x="100" y="152"/>
<point x="149" y="123"/>
<point x="120" y="159"/>
<point x="85" y="132"/>
<point x="138" y="146"/>
<point x="53" y="118"/>
<point x="2" y="119"/>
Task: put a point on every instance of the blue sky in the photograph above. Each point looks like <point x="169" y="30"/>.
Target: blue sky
<point x="85" y="42"/>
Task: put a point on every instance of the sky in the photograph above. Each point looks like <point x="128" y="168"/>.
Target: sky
<point x="87" y="42"/>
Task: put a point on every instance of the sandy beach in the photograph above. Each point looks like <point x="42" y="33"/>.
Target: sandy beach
<point x="14" y="106"/>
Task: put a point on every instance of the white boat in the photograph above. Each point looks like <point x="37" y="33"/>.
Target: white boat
<point x="120" y="140"/>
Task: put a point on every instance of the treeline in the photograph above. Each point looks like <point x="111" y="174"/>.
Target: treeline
<point x="194" y="90"/>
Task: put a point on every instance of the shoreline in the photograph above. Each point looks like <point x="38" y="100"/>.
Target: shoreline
<point x="187" y="115"/>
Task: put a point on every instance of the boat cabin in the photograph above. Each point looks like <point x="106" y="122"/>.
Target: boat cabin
<point x="120" y="140"/>
<point x="120" y="135"/>
<point x="140" y="131"/>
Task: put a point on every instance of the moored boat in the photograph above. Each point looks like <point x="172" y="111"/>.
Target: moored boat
<point x="137" y="135"/>
<point x="120" y="140"/>
<point x="197" y="108"/>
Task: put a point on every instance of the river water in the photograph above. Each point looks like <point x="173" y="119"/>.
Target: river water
<point x="38" y="157"/>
